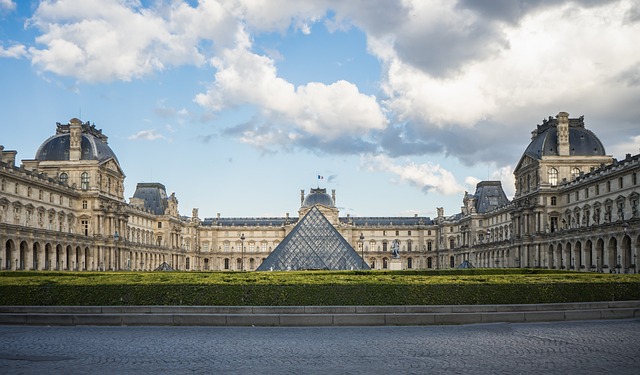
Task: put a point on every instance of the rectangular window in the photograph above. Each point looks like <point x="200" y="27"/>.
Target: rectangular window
<point x="597" y="189"/>
<point x="586" y="193"/>
<point x="620" y="183"/>
<point x="408" y="233"/>
<point x="568" y="198"/>
<point x="608" y="186"/>
<point x="634" y="178"/>
<point x="577" y="196"/>
<point x="85" y="227"/>
<point x="384" y="246"/>
<point x="264" y="246"/>
<point x="429" y="246"/>
<point x="84" y="205"/>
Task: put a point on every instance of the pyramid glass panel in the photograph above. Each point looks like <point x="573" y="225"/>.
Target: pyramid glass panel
<point x="314" y="244"/>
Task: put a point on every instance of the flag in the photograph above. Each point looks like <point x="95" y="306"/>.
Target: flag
<point x="320" y="177"/>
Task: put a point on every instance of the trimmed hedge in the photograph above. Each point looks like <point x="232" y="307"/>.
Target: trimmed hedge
<point x="314" y="288"/>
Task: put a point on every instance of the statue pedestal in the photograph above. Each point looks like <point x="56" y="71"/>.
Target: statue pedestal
<point x="395" y="264"/>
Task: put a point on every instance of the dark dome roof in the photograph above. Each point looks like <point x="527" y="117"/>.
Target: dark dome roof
<point x="92" y="147"/>
<point x="154" y="196"/>
<point x="582" y="142"/>
<point x="318" y="196"/>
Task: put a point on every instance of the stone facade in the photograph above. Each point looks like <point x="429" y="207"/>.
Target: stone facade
<point x="574" y="208"/>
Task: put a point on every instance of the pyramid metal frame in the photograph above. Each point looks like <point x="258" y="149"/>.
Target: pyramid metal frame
<point x="313" y="244"/>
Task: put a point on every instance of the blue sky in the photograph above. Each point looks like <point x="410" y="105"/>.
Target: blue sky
<point x="238" y="105"/>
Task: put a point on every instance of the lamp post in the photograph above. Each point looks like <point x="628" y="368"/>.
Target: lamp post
<point x="242" y="252"/>
<point x="116" y="236"/>
<point x="362" y="249"/>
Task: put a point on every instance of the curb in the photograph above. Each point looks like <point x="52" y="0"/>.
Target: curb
<point x="300" y="316"/>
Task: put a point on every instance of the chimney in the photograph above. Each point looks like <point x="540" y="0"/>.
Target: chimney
<point x="563" y="134"/>
<point x="75" y="139"/>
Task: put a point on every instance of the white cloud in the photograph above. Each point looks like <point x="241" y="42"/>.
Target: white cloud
<point x="7" y="5"/>
<point x="105" y="40"/>
<point x="316" y="109"/>
<point x="632" y="146"/>
<point x="146" y="135"/>
<point x="16" y="51"/>
<point x="428" y="177"/>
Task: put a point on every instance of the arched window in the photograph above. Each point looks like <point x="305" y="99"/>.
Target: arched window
<point x="63" y="178"/>
<point x="575" y="172"/>
<point x="553" y="176"/>
<point x="84" y="181"/>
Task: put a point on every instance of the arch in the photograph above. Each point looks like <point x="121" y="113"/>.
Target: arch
<point x="559" y="259"/>
<point x="24" y="248"/>
<point x="68" y="266"/>
<point x="626" y="253"/>
<point x="409" y="263"/>
<point x="48" y="254"/>
<point x="59" y="257"/>
<point x="611" y="254"/>
<point x="429" y="262"/>
<point x="206" y="264"/>
<point x="578" y="263"/>
<point x="85" y="259"/>
<point x="34" y="256"/>
<point x="372" y="263"/>
<point x="226" y="263"/>
<point x="552" y="263"/>
<point x="10" y="249"/>
<point x="600" y="259"/>
<point x="588" y="256"/>
<point x="385" y="263"/>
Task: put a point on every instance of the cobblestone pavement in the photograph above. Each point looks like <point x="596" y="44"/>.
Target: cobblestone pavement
<point x="584" y="347"/>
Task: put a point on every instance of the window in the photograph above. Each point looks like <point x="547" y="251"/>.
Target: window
<point x="620" y="183"/>
<point x="63" y="178"/>
<point x="575" y="172"/>
<point x="409" y="243"/>
<point x="226" y="245"/>
<point x="408" y="233"/>
<point x="409" y="263"/>
<point x="397" y="233"/>
<point x="84" y="205"/>
<point x="452" y="243"/>
<point x="554" y="201"/>
<point x="586" y="193"/>
<point x="264" y="246"/>
<point x="159" y="225"/>
<point x="634" y="178"/>
<point x="16" y="187"/>
<point x="568" y="198"/>
<point x="553" y="176"/>
<point x="429" y="263"/>
<point x="384" y="246"/>
<point x="226" y="263"/>
<point x="597" y="189"/>
<point x="252" y="247"/>
<point x="577" y="196"/>
<point x="429" y="232"/>
<point x="429" y="246"/>
<point x="3" y="184"/>
<point x="84" y="181"/>
<point x="608" y="186"/>
<point x="85" y="227"/>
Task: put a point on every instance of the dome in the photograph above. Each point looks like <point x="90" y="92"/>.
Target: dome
<point x="582" y="142"/>
<point x="318" y="196"/>
<point x="93" y="144"/>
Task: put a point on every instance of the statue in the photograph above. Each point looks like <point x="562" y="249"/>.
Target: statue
<point x="395" y="248"/>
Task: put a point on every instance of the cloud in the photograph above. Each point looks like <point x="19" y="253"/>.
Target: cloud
<point x="427" y="177"/>
<point x="146" y="135"/>
<point x="106" y="40"/>
<point x="7" y="6"/>
<point x="314" y="113"/>
<point x="15" y="51"/>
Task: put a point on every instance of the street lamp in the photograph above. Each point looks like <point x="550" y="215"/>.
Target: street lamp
<point x="116" y="236"/>
<point x="242" y="237"/>
<point x="362" y="249"/>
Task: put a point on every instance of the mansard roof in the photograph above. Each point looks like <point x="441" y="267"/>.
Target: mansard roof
<point x="582" y="142"/>
<point x="154" y="195"/>
<point x="93" y="145"/>
<point x="489" y="196"/>
<point x="313" y="244"/>
<point x="387" y="221"/>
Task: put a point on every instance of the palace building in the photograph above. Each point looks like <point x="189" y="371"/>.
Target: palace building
<point x="575" y="207"/>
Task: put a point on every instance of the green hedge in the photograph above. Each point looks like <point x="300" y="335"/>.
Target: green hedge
<point x="313" y="288"/>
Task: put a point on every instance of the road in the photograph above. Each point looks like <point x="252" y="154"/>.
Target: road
<point x="581" y="347"/>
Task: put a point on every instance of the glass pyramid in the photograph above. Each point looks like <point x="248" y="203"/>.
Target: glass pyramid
<point x="314" y="244"/>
